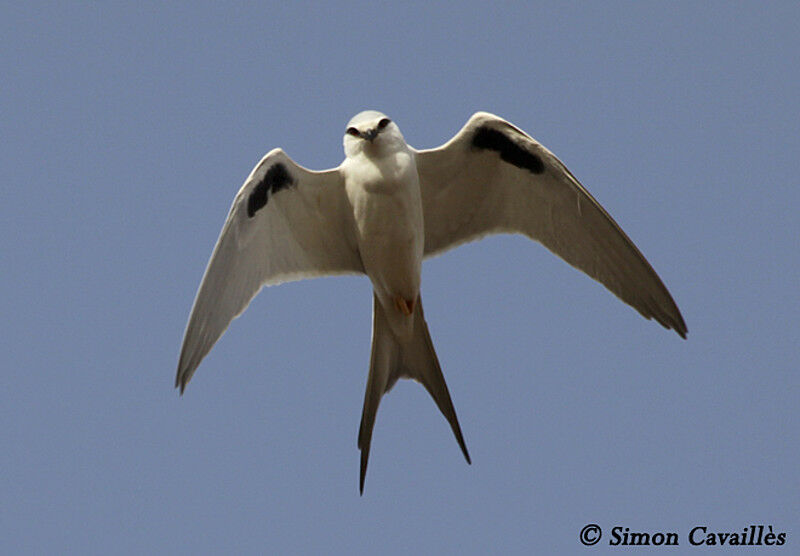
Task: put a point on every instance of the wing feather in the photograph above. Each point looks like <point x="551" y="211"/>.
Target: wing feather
<point x="493" y="178"/>
<point x="286" y="223"/>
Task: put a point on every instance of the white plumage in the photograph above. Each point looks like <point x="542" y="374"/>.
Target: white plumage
<point x="383" y="210"/>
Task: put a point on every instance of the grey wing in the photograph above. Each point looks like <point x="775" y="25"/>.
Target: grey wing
<point x="286" y="223"/>
<point x="493" y="178"/>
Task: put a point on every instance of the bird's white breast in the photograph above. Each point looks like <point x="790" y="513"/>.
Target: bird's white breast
<point x="387" y="207"/>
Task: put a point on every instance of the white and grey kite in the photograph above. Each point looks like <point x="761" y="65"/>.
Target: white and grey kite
<point x="386" y="208"/>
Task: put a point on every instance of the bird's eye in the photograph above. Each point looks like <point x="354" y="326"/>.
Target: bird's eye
<point x="383" y="123"/>
<point x="353" y="131"/>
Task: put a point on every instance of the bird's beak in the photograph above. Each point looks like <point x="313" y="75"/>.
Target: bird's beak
<point x="370" y="135"/>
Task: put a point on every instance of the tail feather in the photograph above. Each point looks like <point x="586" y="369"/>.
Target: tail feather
<point x="391" y="360"/>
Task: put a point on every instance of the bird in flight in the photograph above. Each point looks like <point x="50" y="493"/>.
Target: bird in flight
<point x="386" y="208"/>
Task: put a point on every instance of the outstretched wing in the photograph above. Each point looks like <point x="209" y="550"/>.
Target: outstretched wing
<point x="286" y="223"/>
<point x="493" y="178"/>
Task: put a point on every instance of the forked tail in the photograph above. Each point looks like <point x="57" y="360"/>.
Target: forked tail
<point x="391" y="360"/>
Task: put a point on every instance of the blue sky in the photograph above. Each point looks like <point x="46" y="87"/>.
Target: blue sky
<point x="127" y="131"/>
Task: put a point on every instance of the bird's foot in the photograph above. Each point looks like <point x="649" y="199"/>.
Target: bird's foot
<point x="405" y="306"/>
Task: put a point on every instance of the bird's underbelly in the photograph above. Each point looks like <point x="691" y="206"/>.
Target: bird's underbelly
<point x="387" y="209"/>
<point x="393" y="265"/>
<point x="391" y="242"/>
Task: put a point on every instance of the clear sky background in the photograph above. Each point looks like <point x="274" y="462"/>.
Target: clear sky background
<point x="126" y="132"/>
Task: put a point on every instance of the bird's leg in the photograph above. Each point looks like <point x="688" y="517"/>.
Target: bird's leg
<point x="401" y="305"/>
<point x="404" y="306"/>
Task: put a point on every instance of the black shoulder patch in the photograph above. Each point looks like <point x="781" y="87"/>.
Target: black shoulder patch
<point x="487" y="138"/>
<point x="276" y="178"/>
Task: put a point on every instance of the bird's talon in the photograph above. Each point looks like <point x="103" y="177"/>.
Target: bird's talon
<point x="404" y="306"/>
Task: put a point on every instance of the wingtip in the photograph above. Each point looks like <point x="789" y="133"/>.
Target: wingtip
<point x="679" y="330"/>
<point x="670" y="320"/>
<point x="679" y="326"/>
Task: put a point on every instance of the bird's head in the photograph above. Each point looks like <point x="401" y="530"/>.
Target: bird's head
<point x="373" y="133"/>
